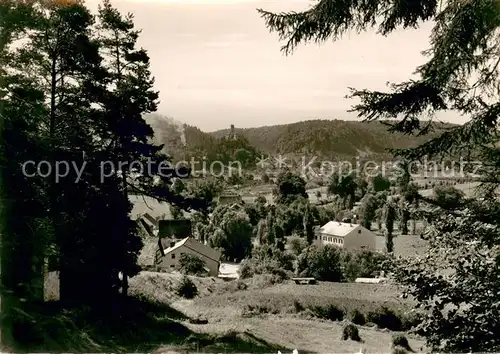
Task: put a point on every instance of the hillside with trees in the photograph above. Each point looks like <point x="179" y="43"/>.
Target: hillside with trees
<point x="343" y="139"/>
<point x="183" y="142"/>
<point x="324" y="137"/>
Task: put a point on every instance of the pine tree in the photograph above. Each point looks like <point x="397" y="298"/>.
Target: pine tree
<point x="58" y="62"/>
<point x="131" y="96"/>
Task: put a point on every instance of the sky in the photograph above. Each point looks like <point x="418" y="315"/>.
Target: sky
<point x="216" y="64"/>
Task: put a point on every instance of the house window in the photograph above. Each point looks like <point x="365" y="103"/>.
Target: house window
<point x="173" y="255"/>
<point x="359" y="231"/>
<point x="171" y="266"/>
<point x="182" y="253"/>
<point x="325" y="238"/>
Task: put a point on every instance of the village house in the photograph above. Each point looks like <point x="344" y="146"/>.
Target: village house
<point x="170" y="253"/>
<point x="345" y="235"/>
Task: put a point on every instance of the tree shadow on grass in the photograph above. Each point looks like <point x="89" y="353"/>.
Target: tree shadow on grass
<point x="230" y="342"/>
<point x="136" y="326"/>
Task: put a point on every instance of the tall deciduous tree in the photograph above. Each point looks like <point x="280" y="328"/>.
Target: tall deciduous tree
<point x="289" y="187"/>
<point x="368" y="207"/>
<point x="390" y="216"/>
<point x="344" y="186"/>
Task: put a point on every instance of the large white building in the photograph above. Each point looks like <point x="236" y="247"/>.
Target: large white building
<point x="346" y="235"/>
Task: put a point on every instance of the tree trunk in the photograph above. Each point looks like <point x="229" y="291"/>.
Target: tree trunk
<point x="351" y="201"/>
<point x="404" y="224"/>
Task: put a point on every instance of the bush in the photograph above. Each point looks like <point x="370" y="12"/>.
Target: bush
<point x="246" y="270"/>
<point x="410" y="321"/>
<point x="357" y="317"/>
<point x="297" y="306"/>
<point x="297" y="245"/>
<point x="191" y="265"/>
<point x="241" y="285"/>
<point x="251" y="310"/>
<point x="399" y="340"/>
<point x="267" y="260"/>
<point x="399" y="350"/>
<point x="350" y="331"/>
<point x="365" y="264"/>
<point x="186" y="288"/>
<point x="329" y="312"/>
<point x="320" y="263"/>
<point x="385" y="318"/>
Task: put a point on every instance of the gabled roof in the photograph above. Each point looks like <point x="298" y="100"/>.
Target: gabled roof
<point x="336" y="228"/>
<point x="196" y="246"/>
<point x="149" y="219"/>
<point x="176" y="246"/>
<point x="151" y="230"/>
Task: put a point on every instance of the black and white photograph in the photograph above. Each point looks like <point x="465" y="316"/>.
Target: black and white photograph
<point x="250" y="176"/>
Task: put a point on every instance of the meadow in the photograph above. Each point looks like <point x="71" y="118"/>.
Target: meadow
<point x="277" y="314"/>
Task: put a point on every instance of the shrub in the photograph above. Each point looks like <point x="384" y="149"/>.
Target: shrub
<point x="399" y="350"/>
<point x="365" y="264"/>
<point x="297" y="306"/>
<point x="385" y="318"/>
<point x="251" y="310"/>
<point x="297" y="245"/>
<point x="246" y="270"/>
<point x="410" y="321"/>
<point x="186" y="288"/>
<point x="267" y="260"/>
<point x="350" y="331"/>
<point x="399" y="340"/>
<point x="329" y="312"/>
<point x="241" y="285"/>
<point x="191" y="264"/>
<point x="321" y="263"/>
<point x="357" y="317"/>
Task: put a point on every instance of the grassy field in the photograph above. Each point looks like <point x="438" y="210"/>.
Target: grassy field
<point x="277" y="320"/>
<point x="256" y="315"/>
<point x="468" y="188"/>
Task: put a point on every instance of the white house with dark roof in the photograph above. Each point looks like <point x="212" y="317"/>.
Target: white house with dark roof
<point x="346" y="235"/>
<point x="168" y="255"/>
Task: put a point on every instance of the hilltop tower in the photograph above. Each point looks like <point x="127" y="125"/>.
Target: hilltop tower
<point x="232" y="134"/>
